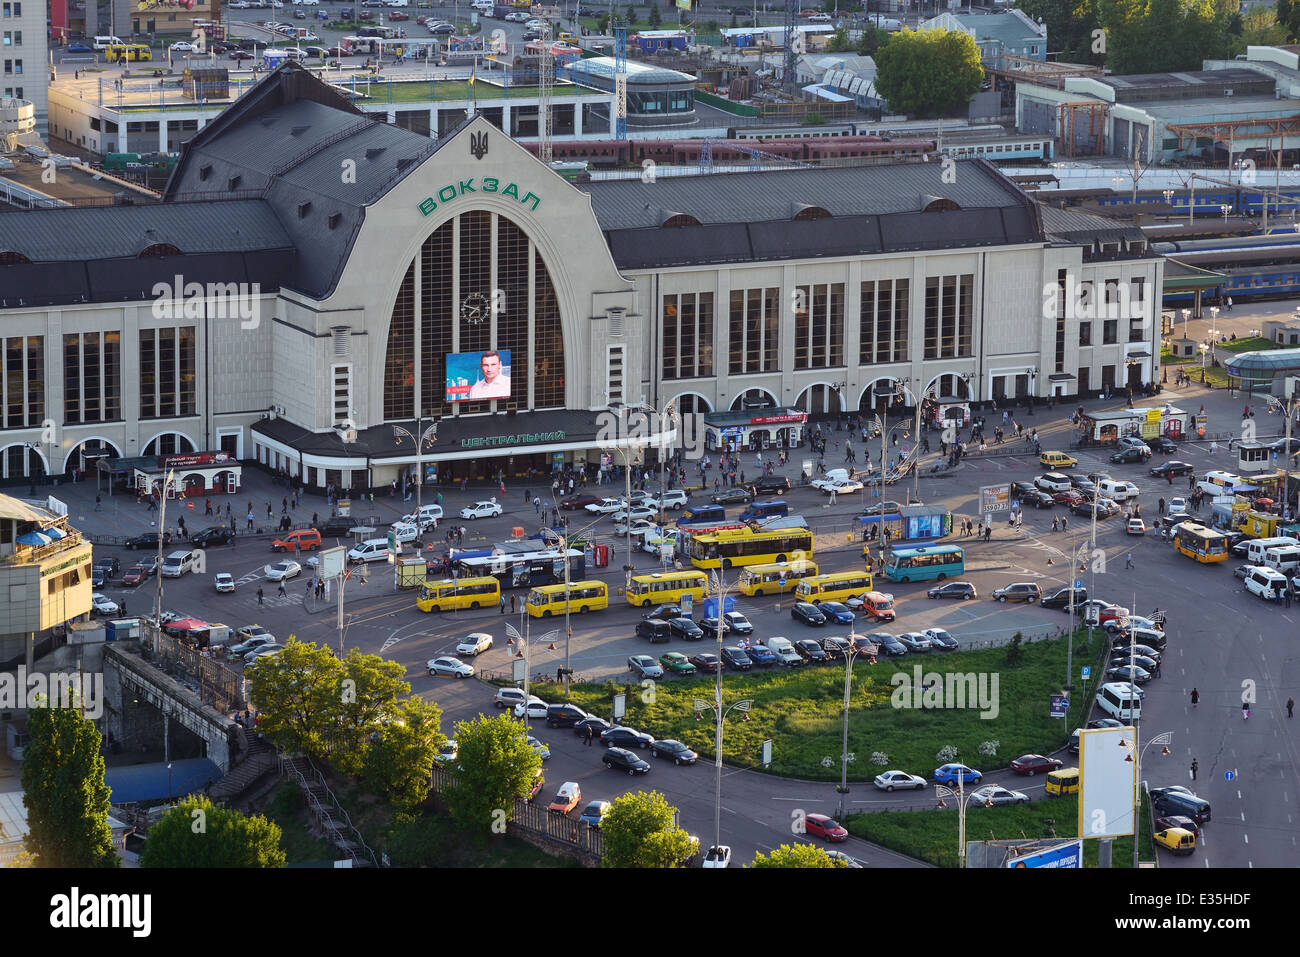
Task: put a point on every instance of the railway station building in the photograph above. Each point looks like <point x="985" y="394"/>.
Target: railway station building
<point x="313" y="278"/>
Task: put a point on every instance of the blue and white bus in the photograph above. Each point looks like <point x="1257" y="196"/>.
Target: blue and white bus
<point x="928" y="563"/>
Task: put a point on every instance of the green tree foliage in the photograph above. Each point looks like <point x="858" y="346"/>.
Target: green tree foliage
<point x="638" y="831"/>
<point x="1288" y="16"/>
<point x="496" y="764"/>
<point x="1262" y="27"/>
<point x="197" y="833"/>
<point x="64" y="792"/>
<point x="870" y="40"/>
<point x="314" y="703"/>
<point x="840" y="42"/>
<point x="656" y="18"/>
<point x="801" y="855"/>
<point x="1070" y="25"/>
<point x="928" y="73"/>
<point x="1161" y="36"/>
<point x="399" y="762"/>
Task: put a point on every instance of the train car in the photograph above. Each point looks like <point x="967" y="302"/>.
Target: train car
<point x="1010" y="148"/>
<point x="865" y="148"/>
<point x="791" y="132"/>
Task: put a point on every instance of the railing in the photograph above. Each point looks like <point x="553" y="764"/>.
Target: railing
<point x="289" y="765"/>
<point x="38" y="553"/>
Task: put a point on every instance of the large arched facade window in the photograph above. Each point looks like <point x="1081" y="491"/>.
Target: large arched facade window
<point x="478" y="284"/>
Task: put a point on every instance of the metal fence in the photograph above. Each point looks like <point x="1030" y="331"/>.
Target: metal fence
<point x="212" y="679"/>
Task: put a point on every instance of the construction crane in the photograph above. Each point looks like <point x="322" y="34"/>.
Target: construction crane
<point x="619" y="28"/>
<point x="545" y="82"/>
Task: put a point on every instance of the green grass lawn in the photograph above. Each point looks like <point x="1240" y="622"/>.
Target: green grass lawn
<point x="800" y="710"/>
<point x="288" y="809"/>
<point x="426" y="91"/>
<point x="1253" y="344"/>
<point x="932" y="835"/>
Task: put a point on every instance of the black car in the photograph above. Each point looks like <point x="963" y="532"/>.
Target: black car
<point x="105" y="568"/>
<point x="807" y="613"/>
<point x="888" y="507"/>
<point x="1139" y="675"/>
<point x="1120" y="650"/>
<point x="598" y="726"/>
<point x="963" y="590"/>
<point x="214" y="535"/>
<point x="711" y="626"/>
<point x="1128" y="456"/>
<point x="1084" y="510"/>
<point x="619" y="759"/>
<point x="1021" y="489"/>
<point x="148" y="540"/>
<point x="1038" y="499"/>
<point x="1081" y="482"/>
<point x="1099" y="477"/>
<point x="564" y="715"/>
<point x="731" y="496"/>
<point x="1237" y="543"/>
<point x="1121" y="659"/>
<point x="675" y="750"/>
<point x="771" y="485"/>
<point x="1098" y="723"/>
<point x="664" y="612"/>
<point x="835" y="647"/>
<point x="705" y="663"/>
<point x="1173" y="467"/>
<point x="685" y="628"/>
<point x="889" y="645"/>
<point x="1060" y="598"/>
<point x="654" y="630"/>
<point x="625" y="738"/>
<point x="1171" y="801"/>
<point x="337" y="527"/>
<point x="733" y="657"/>
<point x="1162" y="444"/>
<point x="810" y="651"/>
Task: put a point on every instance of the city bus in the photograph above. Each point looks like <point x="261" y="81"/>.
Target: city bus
<point x="524" y="569"/>
<point x="583" y="597"/>
<point x="836" y="586"/>
<point x="666" y="588"/>
<point x="928" y="563"/>
<point x="124" y="52"/>
<point x="453" y="594"/>
<point x="748" y="547"/>
<point x="1201" y="543"/>
<point x="774" y="579"/>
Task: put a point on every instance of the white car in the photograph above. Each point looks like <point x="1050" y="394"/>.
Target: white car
<point x="518" y="16"/>
<point x="719" y="855"/>
<point x="451" y="667"/>
<point x="103" y="605"/>
<point x="474" y="644"/>
<point x="430" y="513"/>
<point x="606" y="506"/>
<point x="182" y="46"/>
<point x="1052" y="482"/>
<point x="820" y="18"/>
<point x="654" y="544"/>
<point x="1178" y="508"/>
<point x="842" y="487"/>
<point x="224" y="581"/>
<point x="841" y="856"/>
<point x="535" y="24"/>
<point x="265" y="651"/>
<point x="899" y="781"/>
<point x="256" y="643"/>
<point x="282" y="571"/>
<point x="640" y="529"/>
<point x="542" y="750"/>
<point x="238" y="5"/>
<point x="536" y="708"/>
<point x="295" y="53"/>
<point x="405" y="532"/>
<point x="481" y="510"/>
<point x="275" y="4"/>
<point x="1136" y="526"/>
<point x="636" y="512"/>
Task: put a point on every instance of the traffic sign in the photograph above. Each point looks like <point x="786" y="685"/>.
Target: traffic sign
<point x="1087" y="672"/>
<point x="1229" y="775"/>
<point x="1078" y="583"/>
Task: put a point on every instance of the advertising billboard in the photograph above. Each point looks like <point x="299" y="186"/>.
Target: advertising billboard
<point x="478" y="375"/>
<point x="1107" y="781"/>
<point x="995" y="498"/>
<point x="1063" y="855"/>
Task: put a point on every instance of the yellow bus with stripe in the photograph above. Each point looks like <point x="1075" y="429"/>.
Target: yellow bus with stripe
<point x="666" y="588"/>
<point x="454" y="594"/>
<point x="582" y="597"/>
<point x="774" y="579"/>
<point x="836" y="586"/>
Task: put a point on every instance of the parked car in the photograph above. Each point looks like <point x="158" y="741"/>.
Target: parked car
<point x="103" y="605"/>
<point x="1178" y="820"/>
<point x="685" y="628"/>
<point x="597" y="725"/>
<point x="808" y="613"/>
<point x="899" y="781"/>
<point x="564" y="715"/>
<point x="835" y="647"/>
<point x="147" y="540"/>
<point x="665" y="612"/>
<point x="995" y="795"/>
<point x="645" y="666"/>
<point x="1018" y="591"/>
<point x="706" y="663"/>
<point x="535" y="709"/>
<point x="827" y="828"/>
<point x="887" y="643"/>
<point x="542" y="750"/>
<point x="213" y="535"/>
<point x="451" y="667"/>
<point x="1031" y="764"/>
<point x="567" y="798"/>
<point x="949" y="773"/>
<point x="594" y="813"/>
<point x="1038" y="499"/>
<point x="733" y="657"/>
<point x="760" y="654"/>
<point x="738" y="623"/>
<point x="674" y="751"/>
<point x="1052" y="482"/>
<point x="1130" y="456"/>
<point x="1095" y="723"/>
<point x="620" y="736"/>
<point x="940" y="640"/>
<point x="962" y="590"/>
<point x="620" y="759"/>
<point x="677" y="663"/>
<point x="719" y="855"/>
<point x="916" y="642"/>
<point x="474" y="644"/>
<point x="810" y="651"/>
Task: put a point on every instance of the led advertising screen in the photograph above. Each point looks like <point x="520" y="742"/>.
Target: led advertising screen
<point x="478" y="375"/>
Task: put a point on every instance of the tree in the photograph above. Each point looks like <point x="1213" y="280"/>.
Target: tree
<point x="840" y="41"/>
<point x="399" y="763"/>
<point x="64" y="791"/>
<point x="1157" y="36"/>
<point x="656" y="18"/>
<point x="197" y="833"/>
<point x="1262" y="27"/>
<point x="928" y="73"/>
<point x="871" y="39"/>
<point x="638" y="831"/>
<point x="370" y="692"/>
<point x="496" y="765"/>
<point x="1070" y="25"/>
<point x="801" y="855"/>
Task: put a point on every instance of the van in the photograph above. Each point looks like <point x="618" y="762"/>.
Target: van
<point x="217" y="636"/>
<point x="879" y="606"/>
<point x="1057" y="460"/>
<point x="784" y="651"/>
<point x="833" y="477"/>
<point x="1120" y="701"/>
<point x="653" y="630"/>
<point x="1284" y="559"/>
<point x="300" y="539"/>
<point x="1119" y="490"/>
<point x="772" y="508"/>
<point x="1168" y="801"/>
<point x="178" y="563"/>
<point x="699" y="514"/>
<point x="1266" y="583"/>
<point x="103" y="43"/>
<point x="1256" y="549"/>
<point x="1062" y="781"/>
<point x="371" y="550"/>
<point x="1176" y="839"/>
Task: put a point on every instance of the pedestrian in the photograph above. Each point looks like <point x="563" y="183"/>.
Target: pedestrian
<point x="250" y="521"/>
<point x="1196" y="697"/>
<point x="1245" y="711"/>
<point x="587" y="736"/>
<point x="512" y="604"/>
<point x="1160" y="505"/>
<point x="97" y="503"/>
<point x="1194" y="767"/>
<point x="123" y="604"/>
<point x="503" y="604"/>
<point x="1290" y="702"/>
<point x="1128" y="561"/>
<point x="282" y="591"/>
<point x="1065" y="523"/>
<point x="259" y="594"/>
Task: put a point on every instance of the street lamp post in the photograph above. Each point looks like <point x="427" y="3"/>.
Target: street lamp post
<point x="941" y="791"/>
<point x="1187" y="314"/>
<point x="427" y="435"/>
<point x="849" y="656"/>
<point x="162" y="530"/>
<point x="1163" y="740"/>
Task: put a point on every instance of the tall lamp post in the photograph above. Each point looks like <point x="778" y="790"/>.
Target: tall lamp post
<point x="942" y="791"/>
<point x="1162" y="740"/>
<point x="162" y="531"/>
<point x="428" y="435"/>
<point x="849" y="657"/>
<point x="626" y="450"/>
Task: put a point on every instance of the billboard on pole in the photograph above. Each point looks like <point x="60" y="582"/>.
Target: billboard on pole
<point x="1107" y="781"/>
<point x="1063" y="855"/>
<point x="995" y="498"/>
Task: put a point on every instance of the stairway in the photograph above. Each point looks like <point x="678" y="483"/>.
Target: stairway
<point x="259" y="759"/>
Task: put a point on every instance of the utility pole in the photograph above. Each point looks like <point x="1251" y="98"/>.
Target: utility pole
<point x="162" y="531"/>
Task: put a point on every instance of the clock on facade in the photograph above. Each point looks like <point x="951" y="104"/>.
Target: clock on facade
<point x="474" y="308"/>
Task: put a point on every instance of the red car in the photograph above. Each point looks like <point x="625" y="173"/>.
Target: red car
<point x="578" y="501"/>
<point x="136" y="575"/>
<point x="1186" y="823"/>
<point x="396" y="17"/>
<point x="1112" y="613"/>
<point x="1031" y="764"/>
<point x="705" y="663"/>
<point x="819" y="825"/>
<point x="1070" y="497"/>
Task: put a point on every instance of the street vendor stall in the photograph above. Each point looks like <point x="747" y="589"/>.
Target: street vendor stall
<point x="1107" y="428"/>
<point x="194" y="473"/>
